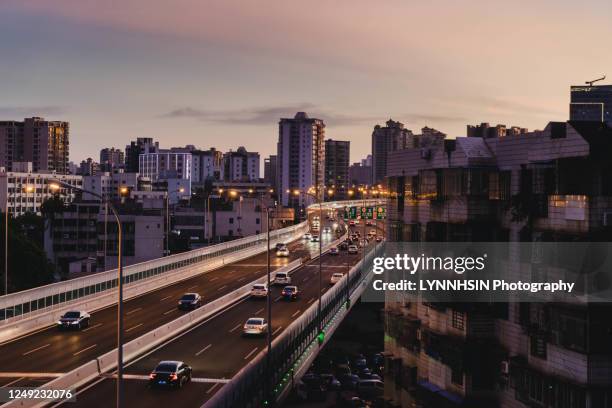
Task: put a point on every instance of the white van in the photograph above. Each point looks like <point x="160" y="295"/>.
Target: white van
<point x="282" y="278"/>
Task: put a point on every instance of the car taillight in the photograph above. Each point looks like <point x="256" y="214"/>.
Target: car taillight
<point x="173" y="377"/>
<point x="152" y="375"/>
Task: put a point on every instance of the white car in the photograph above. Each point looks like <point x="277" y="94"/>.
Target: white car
<point x="282" y="252"/>
<point x="259" y="290"/>
<point x="335" y="277"/>
<point x="74" y="319"/>
<point x="326" y="230"/>
<point x="307" y="235"/>
<point x="282" y="278"/>
<point x="315" y="238"/>
<point x="352" y="249"/>
<point x="255" y="326"/>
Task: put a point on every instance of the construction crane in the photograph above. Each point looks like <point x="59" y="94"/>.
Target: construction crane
<point x="590" y="83"/>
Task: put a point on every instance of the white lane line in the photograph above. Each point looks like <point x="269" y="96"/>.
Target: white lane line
<point x="203" y="350"/>
<point x="222" y="287"/>
<point x="296" y="313"/>
<point x="84" y="350"/>
<point x="323" y="290"/>
<point x="214" y="279"/>
<point x="241" y="279"/>
<point x="211" y="389"/>
<point x="250" y="354"/>
<point x="170" y="311"/>
<point x="36" y="349"/>
<point x="235" y="328"/>
<point x="278" y="298"/>
<point x="13" y="382"/>
<point x="92" y="327"/>
<point x="311" y="300"/>
<point x="134" y="327"/>
<point x="167" y="297"/>
<point x="133" y="311"/>
<point x="276" y="331"/>
<point x="305" y="280"/>
<point x="259" y="311"/>
<point x="192" y="287"/>
<point x="146" y="378"/>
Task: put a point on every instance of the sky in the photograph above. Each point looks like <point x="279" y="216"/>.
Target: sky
<point x="222" y="73"/>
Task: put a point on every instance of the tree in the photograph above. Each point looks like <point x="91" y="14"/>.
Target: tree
<point x="28" y="265"/>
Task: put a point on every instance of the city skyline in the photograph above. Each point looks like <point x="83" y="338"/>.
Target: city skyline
<point x="117" y="74"/>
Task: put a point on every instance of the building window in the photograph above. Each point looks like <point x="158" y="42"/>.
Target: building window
<point x="257" y="221"/>
<point x="458" y="320"/>
<point x="456" y="376"/>
<point x="231" y="221"/>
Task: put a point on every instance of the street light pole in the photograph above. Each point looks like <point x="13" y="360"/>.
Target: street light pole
<point x="56" y="185"/>
<point x="179" y="190"/>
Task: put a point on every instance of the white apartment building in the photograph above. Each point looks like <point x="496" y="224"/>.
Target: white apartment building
<point x="164" y="164"/>
<point x="24" y="192"/>
<point x="241" y="165"/>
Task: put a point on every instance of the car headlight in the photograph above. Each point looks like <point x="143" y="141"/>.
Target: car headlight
<point x="59" y="322"/>
<point x="75" y="322"/>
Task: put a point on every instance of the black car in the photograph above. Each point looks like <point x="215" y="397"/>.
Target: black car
<point x="74" y="319"/>
<point x="170" y="374"/>
<point x="190" y="301"/>
<point x="343" y="246"/>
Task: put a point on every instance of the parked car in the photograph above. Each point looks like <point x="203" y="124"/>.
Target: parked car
<point x="255" y="326"/>
<point x="190" y="301"/>
<point x="259" y="290"/>
<point x="369" y="389"/>
<point x="352" y="249"/>
<point x="74" y="319"/>
<point x="282" y="278"/>
<point x="330" y="382"/>
<point x="290" y="293"/>
<point x="336" y="276"/>
<point x="170" y="374"/>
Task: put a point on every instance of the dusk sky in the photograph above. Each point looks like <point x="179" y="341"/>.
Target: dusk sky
<point x="221" y="73"/>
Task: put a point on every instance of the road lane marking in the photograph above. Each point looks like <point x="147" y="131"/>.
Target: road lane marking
<point x="13" y="382"/>
<point x="211" y="389"/>
<point x="278" y="298"/>
<point x="203" y="350"/>
<point x="296" y="313"/>
<point x="134" y="327"/>
<point x="241" y="279"/>
<point x="92" y="327"/>
<point x="214" y="279"/>
<point x="192" y="287"/>
<point x="222" y="287"/>
<point x="311" y="300"/>
<point x="36" y="349"/>
<point x="133" y="311"/>
<point x="250" y="354"/>
<point x="84" y="350"/>
<point x="259" y="311"/>
<point x="167" y="297"/>
<point x="170" y="311"/>
<point x="234" y="329"/>
<point x="323" y="290"/>
<point x="277" y="329"/>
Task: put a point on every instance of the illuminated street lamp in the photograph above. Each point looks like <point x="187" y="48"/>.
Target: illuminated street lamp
<point x="56" y="185"/>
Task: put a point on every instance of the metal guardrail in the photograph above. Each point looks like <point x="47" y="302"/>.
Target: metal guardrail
<point x="25" y="304"/>
<point x="265" y="379"/>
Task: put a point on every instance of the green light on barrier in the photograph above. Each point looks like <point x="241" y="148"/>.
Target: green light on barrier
<point x="321" y="337"/>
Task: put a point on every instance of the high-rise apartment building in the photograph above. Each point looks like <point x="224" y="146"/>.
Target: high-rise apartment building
<point x="591" y="103"/>
<point x="301" y="158"/>
<point x="517" y="191"/>
<point x="337" y="156"/>
<point x="111" y="158"/>
<point x="270" y="172"/>
<point x="241" y="165"/>
<point x="135" y="149"/>
<point x="165" y="164"/>
<point x="44" y="143"/>
<point x="386" y="139"/>
<point x="89" y="167"/>
<point x="484" y="130"/>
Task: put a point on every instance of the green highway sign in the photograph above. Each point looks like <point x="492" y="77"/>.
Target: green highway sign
<point x="380" y="213"/>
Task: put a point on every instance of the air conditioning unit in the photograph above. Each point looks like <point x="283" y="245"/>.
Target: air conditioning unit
<point x="607" y="219"/>
<point x="418" y="334"/>
<point x="505" y="368"/>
